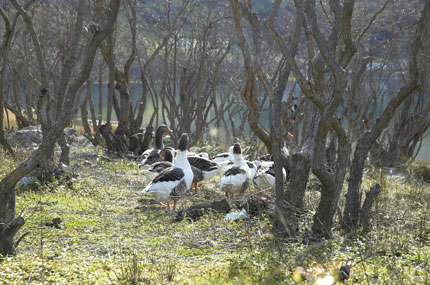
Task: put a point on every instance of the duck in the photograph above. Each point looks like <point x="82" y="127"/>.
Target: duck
<point x="265" y="176"/>
<point x="203" y="169"/>
<point x="173" y="182"/>
<point x="158" y="167"/>
<point x="236" y="178"/>
<point x="152" y="155"/>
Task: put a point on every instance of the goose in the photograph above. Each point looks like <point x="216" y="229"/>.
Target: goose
<point x="265" y="176"/>
<point x="253" y="166"/>
<point x="152" y="155"/>
<point x="284" y="149"/>
<point x="173" y="182"/>
<point x="203" y="169"/>
<point x="228" y="156"/>
<point x="204" y="155"/>
<point x="157" y="167"/>
<point x="269" y="157"/>
<point x="201" y="154"/>
<point x="236" y="178"/>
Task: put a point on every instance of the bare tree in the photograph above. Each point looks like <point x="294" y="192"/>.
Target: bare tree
<point x="9" y="224"/>
<point x="191" y="73"/>
<point x="4" y="48"/>
<point x="352" y="207"/>
<point x="402" y="141"/>
<point x="130" y="119"/>
<point x="325" y="88"/>
<point x="252" y="60"/>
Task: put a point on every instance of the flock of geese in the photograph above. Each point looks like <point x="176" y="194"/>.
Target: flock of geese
<point x="172" y="172"/>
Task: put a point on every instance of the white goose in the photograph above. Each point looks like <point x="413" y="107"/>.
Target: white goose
<point x="203" y="169"/>
<point x="173" y="182"/>
<point x="236" y="178"/>
<point x="152" y="155"/>
<point x="158" y="167"/>
<point x="253" y="166"/>
<point x="265" y="176"/>
<point x="228" y="156"/>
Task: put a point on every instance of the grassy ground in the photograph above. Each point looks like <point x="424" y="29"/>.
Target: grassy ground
<point x="110" y="234"/>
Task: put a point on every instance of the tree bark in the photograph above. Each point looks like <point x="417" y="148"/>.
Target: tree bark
<point x="371" y="196"/>
<point x="301" y="163"/>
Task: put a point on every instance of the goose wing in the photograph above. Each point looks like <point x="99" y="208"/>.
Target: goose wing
<point x="202" y="163"/>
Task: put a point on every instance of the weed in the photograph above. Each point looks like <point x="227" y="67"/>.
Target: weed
<point x="132" y="271"/>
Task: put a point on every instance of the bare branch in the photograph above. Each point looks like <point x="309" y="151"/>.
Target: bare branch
<point x="36" y="43"/>
<point x="371" y="21"/>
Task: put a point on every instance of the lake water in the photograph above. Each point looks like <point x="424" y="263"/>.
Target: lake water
<point x="136" y="90"/>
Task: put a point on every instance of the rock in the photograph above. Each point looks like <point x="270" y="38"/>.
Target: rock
<point x="90" y="156"/>
<point x="195" y="212"/>
<point x="208" y="242"/>
<point x="47" y="203"/>
<point x="74" y="139"/>
<point x="30" y="137"/>
<point x="253" y="205"/>
<point x="56" y="223"/>
<point x="27" y="137"/>
<point x="28" y="183"/>
<point x="344" y="273"/>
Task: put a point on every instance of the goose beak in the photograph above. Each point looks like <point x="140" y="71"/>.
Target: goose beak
<point x="290" y="135"/>
<point x="169" y="130"/>
<point x="160" y="158"/>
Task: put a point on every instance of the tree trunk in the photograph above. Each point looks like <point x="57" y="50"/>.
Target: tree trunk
<point x="94" y="121"/>
<point x="84" y="115"/>
<point x="22" y="120"/>
<point x="331" y="186"/>
<point x="367" y="205"/>
<point x="3" y="141"/>
<point x="300" y="169"/>
<point x="100" y="109"/>
<point x="111" y="84"/>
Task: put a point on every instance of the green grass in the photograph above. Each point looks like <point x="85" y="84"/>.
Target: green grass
<point x="111" y="235"/>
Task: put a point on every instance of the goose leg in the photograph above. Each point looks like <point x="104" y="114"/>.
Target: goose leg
<point x="174" y="205"/>
<point x="195" y="187"/>
<point x="168" y="206"/>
